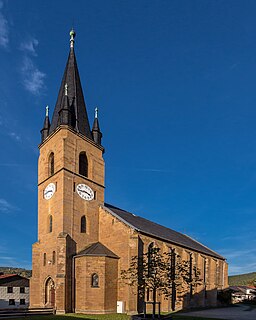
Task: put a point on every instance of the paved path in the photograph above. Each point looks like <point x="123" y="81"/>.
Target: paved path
<point x="239" y="312"/>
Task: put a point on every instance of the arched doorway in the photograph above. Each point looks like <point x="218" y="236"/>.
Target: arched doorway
<point x="50" y="293"/>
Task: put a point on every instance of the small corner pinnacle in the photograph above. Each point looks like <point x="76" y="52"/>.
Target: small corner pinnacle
<point x="66" y="89"/>
<point x="47" y="111"/>
<point x="96" y="112"/>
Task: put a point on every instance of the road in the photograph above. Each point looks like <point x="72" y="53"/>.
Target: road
<point x="238" y="312"/>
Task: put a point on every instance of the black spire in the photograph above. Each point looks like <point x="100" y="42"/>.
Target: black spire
<point x="97" y="135"/>
<point x="46" y="127"/>
<point x="78" y="118"/>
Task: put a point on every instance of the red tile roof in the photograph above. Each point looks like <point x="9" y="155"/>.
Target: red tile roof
<point x="3" y="276"/>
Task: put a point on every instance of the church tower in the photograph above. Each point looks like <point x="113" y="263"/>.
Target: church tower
<point x="70" y="191"/>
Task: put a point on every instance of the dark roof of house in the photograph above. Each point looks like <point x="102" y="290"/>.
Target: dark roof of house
<point x="243" y="289"/>
<point x="13" y="280"/>
<point x="71" y="77"/>
<point x="97" y="249"/>
<point x="158" y="231"/>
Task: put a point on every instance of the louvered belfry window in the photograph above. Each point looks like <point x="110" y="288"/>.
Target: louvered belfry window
<point x="83" y="164"/>
<point x="51" y="164"/>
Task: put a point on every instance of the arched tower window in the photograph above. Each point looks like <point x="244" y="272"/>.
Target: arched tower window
<point x="83" y="164"/>
<point x="53" y="257"/>
<point x="83" y="224"/>
<point x="95" y="280"/>
<point x="44" y="259"/>
<point x="51" y="164"/>
<point x="50" y="223"/>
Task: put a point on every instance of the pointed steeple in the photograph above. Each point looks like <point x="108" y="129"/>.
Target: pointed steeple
<point x="78" y="118"/>
<point x="46" y="127"/>
<point x="97" y="135"/>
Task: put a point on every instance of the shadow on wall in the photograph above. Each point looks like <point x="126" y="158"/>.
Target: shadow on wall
<point x="199" y="300"/>
<point x="202" y="299"/>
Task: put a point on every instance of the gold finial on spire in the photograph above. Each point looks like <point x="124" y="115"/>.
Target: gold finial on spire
<point x="72" y="38"/>
<point x="47" y="111"/>
<point x="66" y="89"/>
<point x="96" y="112"/>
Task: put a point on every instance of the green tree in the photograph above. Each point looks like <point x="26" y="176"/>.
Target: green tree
<point x="162" y="272"/>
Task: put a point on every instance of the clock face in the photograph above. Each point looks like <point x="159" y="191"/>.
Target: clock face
<point x="85" y="192"/>
<point x="49" y="191"/>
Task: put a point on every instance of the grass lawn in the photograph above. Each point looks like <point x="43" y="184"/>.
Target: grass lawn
<point x="99" y="317"/>
<point x="71" y="316"/>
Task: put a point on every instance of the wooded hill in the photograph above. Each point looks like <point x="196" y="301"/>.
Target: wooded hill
<point x="247" y="279"/>
<point x="20" y="271"/>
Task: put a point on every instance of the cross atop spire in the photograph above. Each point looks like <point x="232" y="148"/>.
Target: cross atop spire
<point x="72" y="38"/>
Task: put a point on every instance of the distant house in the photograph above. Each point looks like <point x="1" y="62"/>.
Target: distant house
<point x="241" y="293"/>
<point x="14" y="291"/>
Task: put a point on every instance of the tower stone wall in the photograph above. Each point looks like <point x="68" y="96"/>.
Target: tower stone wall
<point x="64" y="238"/>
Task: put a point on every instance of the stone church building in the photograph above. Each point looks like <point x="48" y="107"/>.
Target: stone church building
<point x="84" y="242"/>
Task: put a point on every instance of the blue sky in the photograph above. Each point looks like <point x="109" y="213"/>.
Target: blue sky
<point x="175" y="85"/>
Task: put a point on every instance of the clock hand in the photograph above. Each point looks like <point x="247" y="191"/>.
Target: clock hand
<point x="84" y="191"/>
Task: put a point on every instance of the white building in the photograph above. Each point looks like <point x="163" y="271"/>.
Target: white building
<point x="241" y="293"/>
<point x="14" y="291"/>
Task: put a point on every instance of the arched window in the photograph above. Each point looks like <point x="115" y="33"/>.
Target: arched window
<point x="51" y="164"/>
<point x="150" y="267"/>
<point x="204" y="269"/>
<point x="95" y="280"/>
<point x="44" y="259"/>
<point x="150" y="252"/>
<point x="173" y="263"/>
<point x="173" y="273"/>
<point x="53" y="257"/>
<point x="50" y="223"/>
<point x="83" y="224"/>
<point x="191" y="273"/>
<point x="83" y="164"/>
